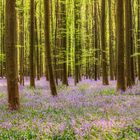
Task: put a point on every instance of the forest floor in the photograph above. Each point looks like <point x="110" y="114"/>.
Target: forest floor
<point x="88" y="111"/>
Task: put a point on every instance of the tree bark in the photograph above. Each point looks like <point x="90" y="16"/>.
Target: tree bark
<point x="48" y="47"/>
<point x="11" y="68"/>
<point x="120" y="47"/>
<point x="104" y="47"/>
<point x="32" y="66"/>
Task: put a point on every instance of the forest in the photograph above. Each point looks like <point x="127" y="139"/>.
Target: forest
<point x="70" y="69"/>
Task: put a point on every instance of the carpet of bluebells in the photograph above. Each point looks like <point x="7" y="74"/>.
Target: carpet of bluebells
<point x="88" y="111"/>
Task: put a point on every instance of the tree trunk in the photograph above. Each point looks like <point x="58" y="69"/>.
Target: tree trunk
<point x="21" y="39"/>
<point x="138" y="39"/>
<point x="48" y="47"/>
<point x="104" y="48"/>
<point x="32" y="66"/>
<point x="64" y="41"/>
<point x="77" y="40"/>
<point x="111" y="59"/>
<point x="11" y="68"/>
<point x="129" y="43"/>
<point x="120" y="47"/>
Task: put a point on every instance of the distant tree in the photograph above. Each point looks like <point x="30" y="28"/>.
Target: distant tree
<point x="138" y="39"/>
<point x="32" y="48"/>
<point x="37" y="50"/>
<point x="21" y="41"/>
<point x="96" y="45"/>
<point x="2" y="34"/>
<point x="111" y="53"/>
<point x="10" y="44"/>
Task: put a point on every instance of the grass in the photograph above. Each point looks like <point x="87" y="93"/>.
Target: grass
<point x="88" y="111"/>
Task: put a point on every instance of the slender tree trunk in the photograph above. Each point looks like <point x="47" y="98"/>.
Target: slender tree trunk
<point x="111" y="59"/>
<point x="138" y="45"/>
<point x="77" y="40"/>
<point x="96" y="41"/>
<point x="40" y="38"/>
<point x="32" y="49"/>
<point x="56" y="41"/>
<point x="37" y="47"/>
<point x="21" y="39"/>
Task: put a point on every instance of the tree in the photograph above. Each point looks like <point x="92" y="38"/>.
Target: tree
<point x="128" y="42"/>
<point x="11" y="68"/>
<point x="111" y="56"/>
<point x="77" y="40"/>
<point x="138" y="46"/>
<point x="48" y="47"/>
<point x="96" y="41"/>
<point x="21" y="39"/>
<point x="37" y="46"/>
<point x="2" y="34"/>
<point x="104" y="47"/>
<point x="32" y="67"/>
<point x="64" y="41"/>
<point x="120" y="46"/>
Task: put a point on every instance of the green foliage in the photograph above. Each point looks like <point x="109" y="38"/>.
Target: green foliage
<point x="68" y="134"/>
<point x="128" y="133"/>
<point x="13" y="134"/>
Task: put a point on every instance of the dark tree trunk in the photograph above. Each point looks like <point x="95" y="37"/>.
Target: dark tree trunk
<point x="104" y="47"/>
<point x="129" y="44"/>
<point x="11" y="68"/>
<point x="64" y="41"/>
<point x="48" y="47"/>
<point x="120" y="47"/>
<point x="77" y="41"/>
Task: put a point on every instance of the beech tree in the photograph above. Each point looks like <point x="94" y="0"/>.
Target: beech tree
<point x="138" y="39"/>
<point x="11" y="64"/>
<point x="64" y="41"/>
<point x="48" y="47"/>
<point x="120" y="46"/>
<point x="128" y="42"/>
<point x="103" y="41"/>
<point x="32" y="49"/>
<point x="21" y="40"/>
